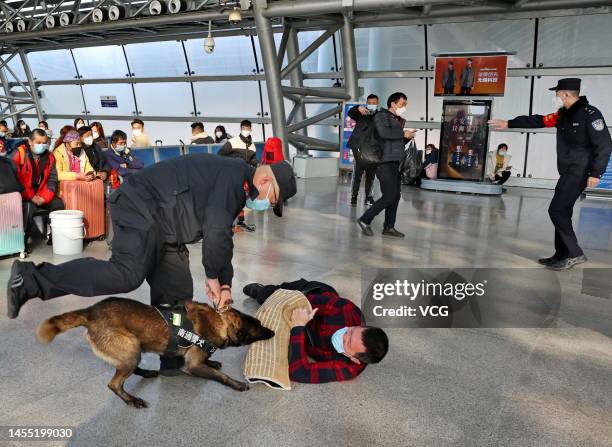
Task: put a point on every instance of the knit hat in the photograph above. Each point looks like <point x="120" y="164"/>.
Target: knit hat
<point x="71" y="136"/>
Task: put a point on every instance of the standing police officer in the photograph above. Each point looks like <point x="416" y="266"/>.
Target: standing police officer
<point x="583" y="150"/>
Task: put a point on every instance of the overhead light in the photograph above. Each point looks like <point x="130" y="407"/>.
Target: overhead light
<point x="209" y="42"/>
<point x="156" y="7"/>
<point x="66" y="18"/>
<point x="99" y="15"/>
<point x="176" y="6"/>
<point x="9" y="27"/>
<point x="235" y="16"/>
<point x="116" y="12"/>
<point x="51" y="22"/>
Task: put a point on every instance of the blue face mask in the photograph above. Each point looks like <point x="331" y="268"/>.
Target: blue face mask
<point x="372" y="107"/>
<point x="2" y="134"/>
<point x="337" y="340"/>
<point x="259" y="204"/>
<point x="40" y="148"/>
<point x="120" y="149"/>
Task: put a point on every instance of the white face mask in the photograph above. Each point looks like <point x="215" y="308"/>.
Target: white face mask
<point x="400" y="111"/>
<point x="245" y="133"/>
<point x="78" y="126"/>
<point x="218" y="134"/>
<point x="23" y="127"/>
<point x="136" y="132"/>
<point x="88" y="141"/>
<point x="557" y="102"/>
<point x="95" y="134"/>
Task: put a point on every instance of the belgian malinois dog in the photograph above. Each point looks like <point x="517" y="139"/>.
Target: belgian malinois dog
<point x="120" y="329"/>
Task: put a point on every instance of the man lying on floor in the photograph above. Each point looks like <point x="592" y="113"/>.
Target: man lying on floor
<point x="332" y="334"/>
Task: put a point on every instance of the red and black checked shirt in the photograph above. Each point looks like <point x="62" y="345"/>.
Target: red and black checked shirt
<point x="329" y="366"/>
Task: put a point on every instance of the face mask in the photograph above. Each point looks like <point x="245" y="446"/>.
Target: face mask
<point x="40" y="148"/>
<point x="260" y="204"/>
<point x="2" y="134"/>
<point x="76" y="150"/>
<point x="502" y="154"/>
<point x="136" y="132"/>
<point x="96" y="135"/>
<point x="23" y="127"/>
<point x="78" y="126"/>
<point x="428" y="151"/>
<point x="120" y="149"/>
<point x="557" y="102"/>
<point x="400" y="111"/>
<point x="219" y="134"/>
<point x="245" y="133"/>
<point x="372" y="107"/>
<point x="88" y="141"/>
<point x="337" y="340"/>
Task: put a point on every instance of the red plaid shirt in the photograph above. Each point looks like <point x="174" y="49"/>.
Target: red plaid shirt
<point x="328" y="366"/>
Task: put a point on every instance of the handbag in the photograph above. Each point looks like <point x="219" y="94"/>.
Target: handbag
<point x="411" y="165"/>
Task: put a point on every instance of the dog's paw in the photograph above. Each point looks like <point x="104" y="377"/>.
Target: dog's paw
<point x="243" y="386"/>
<point x="137" y="402"/>
<point x="213" y="364"/>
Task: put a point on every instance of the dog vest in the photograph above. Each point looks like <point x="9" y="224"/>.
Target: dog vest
<point x="181" y="330"/>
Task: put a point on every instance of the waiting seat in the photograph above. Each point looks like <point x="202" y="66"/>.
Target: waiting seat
<point x="168" y="152"/>
<point x="146" y="154"/>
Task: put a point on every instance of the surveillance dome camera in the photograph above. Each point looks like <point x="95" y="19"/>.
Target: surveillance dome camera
<point x="209" y="44"/>
<point x="235" y="16"/>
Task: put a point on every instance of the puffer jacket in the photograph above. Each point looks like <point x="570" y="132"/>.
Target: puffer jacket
<point x="390" y="129"/>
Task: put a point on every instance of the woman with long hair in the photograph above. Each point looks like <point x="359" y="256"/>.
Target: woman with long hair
<point x="98" y="134"/>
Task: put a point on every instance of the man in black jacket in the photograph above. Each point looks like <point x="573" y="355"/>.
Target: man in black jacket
<point x="364" y="128"/>
<point x="583" y="151"/>
<point x="155" y="213"/>
<point x="94" y="153"/>
<point x="393" y="137"/>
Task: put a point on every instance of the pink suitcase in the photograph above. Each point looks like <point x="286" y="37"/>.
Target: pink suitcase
<point x="89" y="198"/>
<point x="11" y="225"/>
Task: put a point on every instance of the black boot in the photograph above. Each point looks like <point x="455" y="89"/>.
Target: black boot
<point x="392" y="232"/>
<point x="547" y="261"/>
<point x="366" y="229"/>
<point x="16" y="295"/>
<point x="354" y="201"/>
<point x="252" y="290"/>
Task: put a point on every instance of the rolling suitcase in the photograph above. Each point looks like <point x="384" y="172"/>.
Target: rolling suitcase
<point x="11" y="225"/>
<point x="89" y="198"/>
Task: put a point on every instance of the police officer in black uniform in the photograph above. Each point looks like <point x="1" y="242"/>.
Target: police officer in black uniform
<point x="154" y="214"/>
<point x="583" y="151"/>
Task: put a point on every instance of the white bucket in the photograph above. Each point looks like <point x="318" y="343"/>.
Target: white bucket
<point x="68" y="232"/>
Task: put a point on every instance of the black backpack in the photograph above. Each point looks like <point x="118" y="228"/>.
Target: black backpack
<point x="8" y="177"/>
<point x="364" y="142"/>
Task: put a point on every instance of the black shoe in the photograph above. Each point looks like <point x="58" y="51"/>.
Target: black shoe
<point x="369" y="201"/>
<point x="547" y="261"/>
<point x="170" y="366"/>
<point x="50" y="240"/>
<point x="392" y="232"/>
<point x="366" y="229"/>
<point x="15" y="291"/>
<point x="354" y="201"/>
<point x="567" y="263"/>
<point x="252" y="290"/>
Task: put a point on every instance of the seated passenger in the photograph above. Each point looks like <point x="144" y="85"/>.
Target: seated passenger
<point x="198" y="135"/>
<point x="94" y="153"/>
<point x="120" y="158"/>
<point x="45" y="126"/>
<point x="498" y="169"/>
<point x="221" y="136"/>
<point x="71" y="160"/>
<point x="139" y="137"/>
<point x="63" y="131"/>
<point x="37" y="174"/>
<point x="22" y="130"/>
<point x="78" y="123"/>
<point x="431" y="161"/>
<point x="333" y="334"/>
<point x="241" y="146"/>
<point x="98" y="134"/>
<point x="4" y="130"/>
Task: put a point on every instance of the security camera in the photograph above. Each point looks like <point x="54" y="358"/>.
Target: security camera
<point x="235" y="16"/>
<point x="209" y="42"/>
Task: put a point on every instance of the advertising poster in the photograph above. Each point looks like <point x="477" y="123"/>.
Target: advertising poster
<point x="348" y="124"/>
<point x="464" y="139"/>
<point x="470" y="76"/>
<point x="605" y="184"/>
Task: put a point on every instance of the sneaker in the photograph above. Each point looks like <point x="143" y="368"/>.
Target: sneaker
<point x="252" y="290"/>
<point x="547" y="261"/>
<point x="369" y="201"/>
<point x="15" y="291"/>
<point x="366" y="229"/>
<point x="392" y="232"/>
<point x="567" y="263"/>
<point x="354" y="201"/>
<point x="50" y="239"/>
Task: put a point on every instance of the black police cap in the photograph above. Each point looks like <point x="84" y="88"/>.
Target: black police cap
<point x="567" y="84"/>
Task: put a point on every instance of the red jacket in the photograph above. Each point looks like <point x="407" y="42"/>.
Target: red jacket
<point x="37" y="176"/>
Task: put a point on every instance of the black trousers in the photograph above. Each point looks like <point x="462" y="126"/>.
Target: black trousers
<point x="465" y="90"/>
<point x="137" y="255"/>
<point x="568" y="190"/>
<point x="449" y="89"/>
<point x="30" y="209"/>
<point x="302" y="285"/>
<point x="502" y="177"/>
<point x="391" y="187"/>
<point x="369" y="179"/>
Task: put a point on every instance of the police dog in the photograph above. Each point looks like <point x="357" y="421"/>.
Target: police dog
<point x="120" y="329"/>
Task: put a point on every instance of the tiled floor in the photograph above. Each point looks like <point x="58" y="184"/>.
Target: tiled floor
<point x="437" y="387"/>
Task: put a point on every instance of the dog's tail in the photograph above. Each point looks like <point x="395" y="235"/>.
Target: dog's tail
<point x="48" y="329"/>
